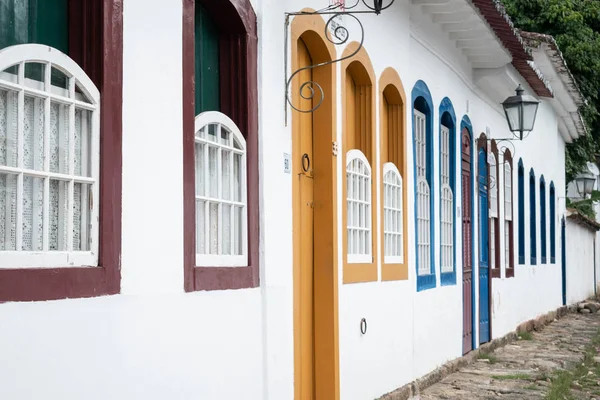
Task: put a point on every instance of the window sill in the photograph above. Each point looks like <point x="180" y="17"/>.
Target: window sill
<point x="448" y="278"/>
<point x="40" y="284"/>
<point x="425" y="282"/>
<point x="394" y="272"/>
<point x="224" y="277"/>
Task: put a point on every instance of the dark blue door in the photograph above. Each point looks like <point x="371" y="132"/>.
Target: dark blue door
<point x="563" y="260"/>
<point x="484" y="271"/>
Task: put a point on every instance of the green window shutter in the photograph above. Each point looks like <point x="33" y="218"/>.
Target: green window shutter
<point x="206" y="48"/>
<point x="35" y="21"/>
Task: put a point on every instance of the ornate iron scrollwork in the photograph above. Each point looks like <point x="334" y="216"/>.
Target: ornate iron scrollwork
<point x="336" y="34"/>
<point x="506" y="145"/>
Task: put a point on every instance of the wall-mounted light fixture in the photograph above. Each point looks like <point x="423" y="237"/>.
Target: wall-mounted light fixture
<point x="335" y="33"/>
<point x="520" y="111"/>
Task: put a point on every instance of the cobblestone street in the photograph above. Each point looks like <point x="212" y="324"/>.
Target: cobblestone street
<point x="559" y="362"/>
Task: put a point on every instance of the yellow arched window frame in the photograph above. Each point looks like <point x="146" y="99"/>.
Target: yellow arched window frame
<point x="358" y="105"/>
<point x="394" y="224"/>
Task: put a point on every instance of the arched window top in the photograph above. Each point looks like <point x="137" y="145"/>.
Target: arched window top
<point x="232" y="16"/>
<point x="551" y="188"/>
<point x="421" y="98"/>
<point x="391" y="174"/>
<point x="508" y="158"/>
<point x="542" y="181"/>
<point x="531" y="174"/>
<point x="447" y="115"/>
<point x="521" y="167"/>
<point x="52" y="59"/>
<point x="360" y="162"/>
<point x="215" y="126"/>
<point x="393" y="89"/>
<point x="466" y="123"/>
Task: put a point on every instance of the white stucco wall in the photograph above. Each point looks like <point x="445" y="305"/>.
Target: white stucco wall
<point x="152" y="341"/>
<point x="155" y="342"/>
<point x="580" y="276"/>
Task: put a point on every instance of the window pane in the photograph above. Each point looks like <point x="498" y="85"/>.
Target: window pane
<point x="226" y="231"/>
<point x="200" y="168"/>
<point x="59" y="138"/>
<point x="83" y="139"/>
<point x="81" y="216"/>
<point x="213" y="173"/>
<point x="239" y="232"/>
<point x="214" y="228"/>
<point x="33" y="209"/>
<point x="200" y="227"/>
<point x="58" y="214"/>
<point x="33" y="134"/>
<point x="8" y="211"/>
<point x="237" y="178"/>
<point x="226" y="174"/>
<point x="8" y="128"/>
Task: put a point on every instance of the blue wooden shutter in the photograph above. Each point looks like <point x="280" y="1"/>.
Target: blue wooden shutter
<point x="521" y="213"/>
<point x="552" y="225"/>
<point x="532" y="218"/>
<point x="543" y="218"/>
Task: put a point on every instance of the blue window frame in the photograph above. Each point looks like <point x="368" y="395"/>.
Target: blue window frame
<point x="543" y="242"/>
<point x="521" y="200"/>
<point x="422" y="107"/>
<point x="532" y="218"/>
<point x="447" y="142"/>
<point x="552" y="224"/>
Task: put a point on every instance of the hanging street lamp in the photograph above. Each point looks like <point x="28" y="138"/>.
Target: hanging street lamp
<point x="585" y="183"/>
<point x="520" y="111"/>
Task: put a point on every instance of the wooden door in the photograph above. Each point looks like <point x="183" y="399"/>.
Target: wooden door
<point x="563" y="260"/>
<point x="484" y="270"/>
<point x="467" y="243"/>
<point x="303" y="160"/>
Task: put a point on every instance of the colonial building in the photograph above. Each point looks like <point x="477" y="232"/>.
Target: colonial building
<point x="267" y="200"/>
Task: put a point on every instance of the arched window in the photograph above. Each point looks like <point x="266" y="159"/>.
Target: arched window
<point x="221" y="227"/>
<point x="359" y="224"/>
<point x="60" y="153"/>
<point x="494" y="211"/>
<point x="423" y="167"/>
<point x="393" y="228"/>
<point x="532" y="218"/>
<point x="447" y="193"/>
<point x="543" y="218"/>
<point x="221" y="151"/>
<point x="521" y="200"/>
<point x="508" y="216"/>
<point x="552" y="224"/>
<point x="360" y="147"/>
<point x="393" y="160"/>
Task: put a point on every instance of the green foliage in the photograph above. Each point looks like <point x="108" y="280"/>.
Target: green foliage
<point x="585" y="207"/>
<point x="575" y="25"/>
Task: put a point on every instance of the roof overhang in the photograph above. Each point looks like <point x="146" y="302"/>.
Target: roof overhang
<point x="567" y="96"/>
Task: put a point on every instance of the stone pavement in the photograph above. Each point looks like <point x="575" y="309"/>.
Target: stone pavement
<point x="529" y="367"/>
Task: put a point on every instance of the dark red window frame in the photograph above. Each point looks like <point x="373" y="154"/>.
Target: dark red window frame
<point x="510" y="269"/>
<point x="96" y="44"/>
<point x="236" y="22"/>
<point x="496" y="221"/>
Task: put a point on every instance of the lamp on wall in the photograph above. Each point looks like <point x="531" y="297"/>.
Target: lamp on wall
<point x="585" y="183"/>
<point x="520" y="111"/>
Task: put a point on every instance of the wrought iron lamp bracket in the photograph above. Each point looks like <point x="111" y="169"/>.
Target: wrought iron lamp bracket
<point x="502" y="144"/>
<point x="335" y="33"/>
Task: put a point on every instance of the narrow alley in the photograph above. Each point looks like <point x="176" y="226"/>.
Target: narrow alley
<point x="558" y="362"/>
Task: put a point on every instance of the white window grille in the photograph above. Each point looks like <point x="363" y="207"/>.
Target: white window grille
<point x="508" y="214"/>
<point x="392" y="210"/>
<point x="358" y="187"/>
<point x="494" y="182"/>
<point x="447" y="209"/>
<point x="49" y="160"/>
<point x="423" y="204"/>
<point x="221" y="200"/>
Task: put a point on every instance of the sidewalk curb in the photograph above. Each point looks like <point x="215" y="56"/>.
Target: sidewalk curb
<point x="415" y="387"/>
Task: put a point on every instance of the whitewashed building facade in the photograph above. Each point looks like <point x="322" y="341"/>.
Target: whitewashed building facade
<point x="174" y="226"/>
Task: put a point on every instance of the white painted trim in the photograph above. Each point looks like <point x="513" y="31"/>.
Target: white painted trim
<point x="393" y="259"/>
<point x="223" y="260"/>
